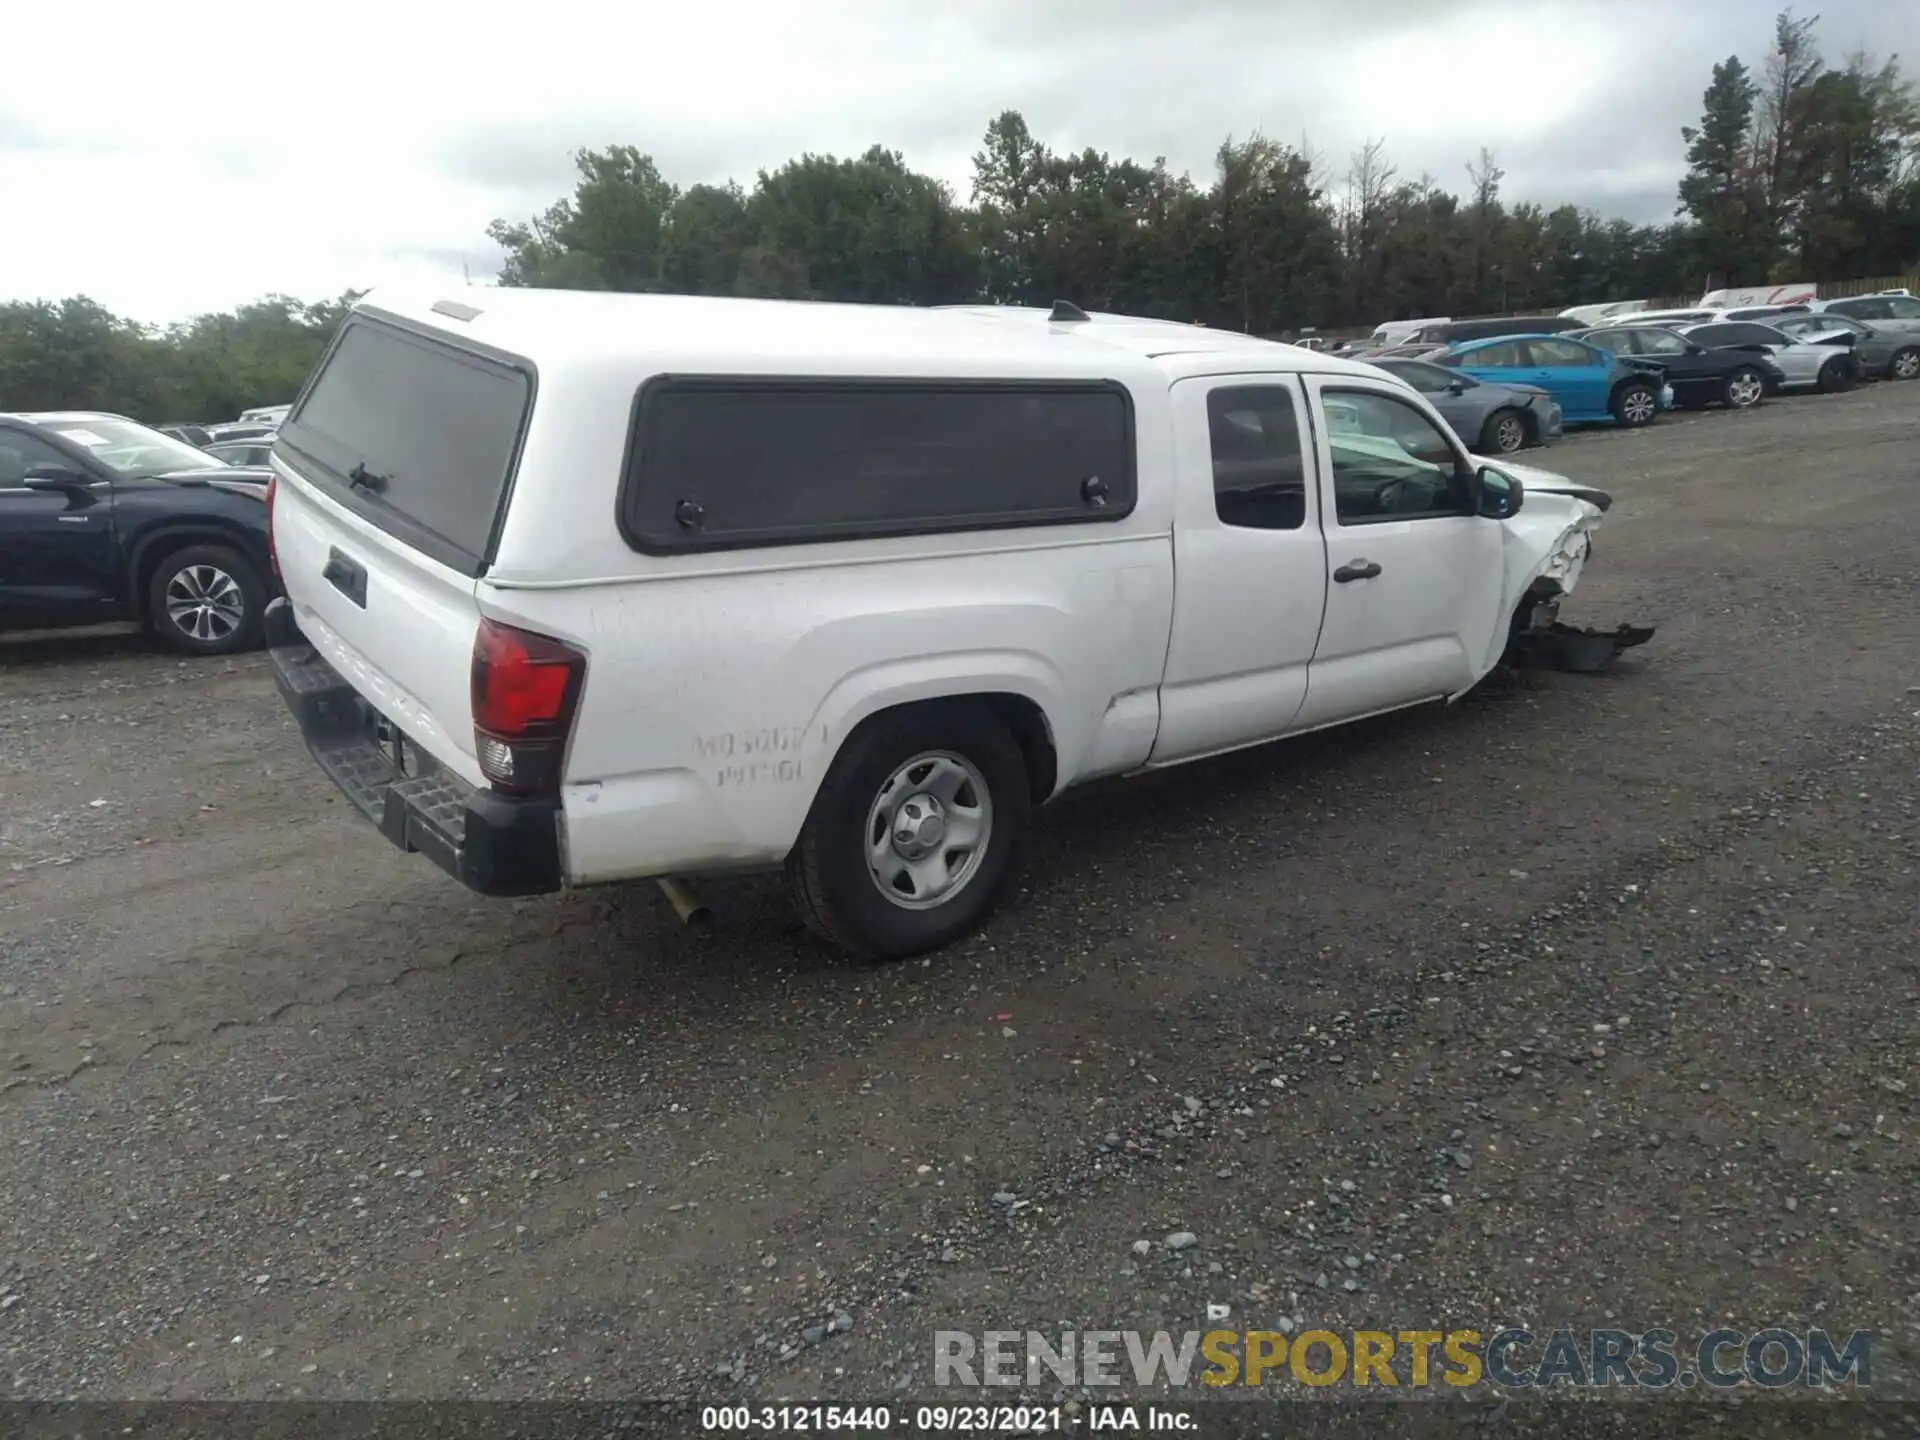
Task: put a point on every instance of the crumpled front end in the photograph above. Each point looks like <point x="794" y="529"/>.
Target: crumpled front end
<point x="1547" y="546"/>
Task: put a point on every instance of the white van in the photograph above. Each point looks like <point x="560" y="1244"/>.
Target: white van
<point x="585" y="587"/>
<point x="1399" y="332"/>
<point x="1798" y="293"/>
<point x="1600" y="313"/>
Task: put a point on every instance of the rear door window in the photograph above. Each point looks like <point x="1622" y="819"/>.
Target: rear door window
<point x="1659" y="342"/>
<point x="418" y="435"/>
<point x="1719" y="336"/>
<point x="1504" y="356"/>
<point x="1427" y="379"/>
<point x="723" y="462"/>
<point x="1560" y="355"/>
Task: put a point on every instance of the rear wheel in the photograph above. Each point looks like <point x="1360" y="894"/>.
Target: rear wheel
<point x="1836" y="375"/>
<point x="1635" y="404"/>
<point x="1504" y="432"/>
<point x="1745" y="388"/>
<point x="914" y="832"/>
<point x="1905" y="364"/>
<point x="206" y="600"/>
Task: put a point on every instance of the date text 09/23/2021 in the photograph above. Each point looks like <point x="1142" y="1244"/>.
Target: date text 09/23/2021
<point x="960" y="1419"/>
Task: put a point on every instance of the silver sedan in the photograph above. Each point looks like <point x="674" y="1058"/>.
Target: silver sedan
<point x="1804" y="366"/>
<point x="1888" y="354"/>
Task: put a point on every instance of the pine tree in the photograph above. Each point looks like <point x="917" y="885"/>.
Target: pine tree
<point x="1720" y="191"/>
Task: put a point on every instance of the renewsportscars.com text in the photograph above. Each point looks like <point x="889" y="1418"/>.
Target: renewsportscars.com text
<point x="1510" y="1358"/>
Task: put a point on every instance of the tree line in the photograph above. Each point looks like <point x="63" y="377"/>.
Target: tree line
<point x="77" y="355"/>
<point x="1797" y="170"/>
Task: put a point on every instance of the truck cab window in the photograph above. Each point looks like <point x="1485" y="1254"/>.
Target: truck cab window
<point x="1259" y="472"/>
<point x="1390" y="462"/>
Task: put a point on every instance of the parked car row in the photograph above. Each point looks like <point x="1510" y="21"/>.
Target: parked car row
<point x="244" y="442"/>
<point x="1510" y="382"/>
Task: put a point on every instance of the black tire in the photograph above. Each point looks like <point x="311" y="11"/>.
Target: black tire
<point x="1836" y="376"/>
<point x="1505" y="432"/>
<point x="829" y="876"/>
<point x="1905" y="364"/>
<point x="1745" y="388"/>
<point x="1629" y="411"/>
<point x="206" y="600"/>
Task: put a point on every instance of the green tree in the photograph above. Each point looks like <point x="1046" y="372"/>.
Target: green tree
<point x="1856" y="135"/>
<point x="706" y="240"/>
<point x="869" y="229"/>
<point x="76" y="355"/>
<point x="1722" y="190"/>
<point x="1279" y="261"/>
<point x="1008" y="173"/>
<point x="608" y="235"/>
<point x="1792" y="66"/>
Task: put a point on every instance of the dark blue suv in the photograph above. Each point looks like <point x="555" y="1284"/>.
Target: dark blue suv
<point x="103" y="519"/>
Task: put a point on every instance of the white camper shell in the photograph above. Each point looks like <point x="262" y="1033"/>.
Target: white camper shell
<point x="585" y="588"/>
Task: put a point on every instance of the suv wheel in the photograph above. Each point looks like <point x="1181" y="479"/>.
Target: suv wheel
<point x="1905" y="364"/>
<point x="1745" y="388"/>
<point x="1504" y="432"/>
<point x="206" y="600"/>
<point x="1635" y="404"/>
<point x="914" y="832"/>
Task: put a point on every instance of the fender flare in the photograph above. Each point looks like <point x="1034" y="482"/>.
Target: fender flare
<point x="173" y="534"/>
<point x="873" y="690"/>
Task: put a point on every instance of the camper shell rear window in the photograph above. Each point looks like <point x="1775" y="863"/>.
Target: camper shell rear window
<point x="729" y="462"/>
<point x="418" y="435"/>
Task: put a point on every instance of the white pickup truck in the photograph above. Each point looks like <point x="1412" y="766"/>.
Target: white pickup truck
<point x="585" y="588"/>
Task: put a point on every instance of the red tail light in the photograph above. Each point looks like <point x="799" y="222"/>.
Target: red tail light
<point x="526" y="688"/>
<point x="273" y="555"/>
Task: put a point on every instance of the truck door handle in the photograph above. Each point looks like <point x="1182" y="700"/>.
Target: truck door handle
<point x="1358" y="570"/>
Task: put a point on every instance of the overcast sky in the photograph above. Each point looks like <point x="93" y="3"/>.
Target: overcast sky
<point x="194" y="155"/>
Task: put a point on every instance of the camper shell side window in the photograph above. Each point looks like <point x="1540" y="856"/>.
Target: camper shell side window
<point x="732" y="462"/>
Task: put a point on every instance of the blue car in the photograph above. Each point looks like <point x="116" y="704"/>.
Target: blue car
<point x="1591" y="385"/>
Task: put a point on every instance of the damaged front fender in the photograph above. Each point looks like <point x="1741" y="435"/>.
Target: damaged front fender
<point x="1545" y="551"/>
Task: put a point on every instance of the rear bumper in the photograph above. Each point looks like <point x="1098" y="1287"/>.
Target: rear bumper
<point x="494" y="844"/>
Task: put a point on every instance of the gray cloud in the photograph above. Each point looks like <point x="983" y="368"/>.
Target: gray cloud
<point x="1145" y="78"/>
<point x="1582" y="100"/>
<point x="482" y="257"/>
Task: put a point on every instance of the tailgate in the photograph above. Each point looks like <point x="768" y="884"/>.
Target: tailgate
<point x="394" y="471"/>
<point x="397" y="625"/>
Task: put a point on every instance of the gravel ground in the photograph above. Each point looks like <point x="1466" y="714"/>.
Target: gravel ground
<point x="1591" y="1000"/>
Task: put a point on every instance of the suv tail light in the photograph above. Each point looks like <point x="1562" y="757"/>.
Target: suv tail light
<point x="526" y="688"/>
<point x="273" y="555"/>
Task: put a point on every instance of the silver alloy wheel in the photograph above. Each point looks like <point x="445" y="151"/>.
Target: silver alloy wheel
<point x="1906" y="365"/>
<point x="1639" y="406"/>
<point x="1509" y="435"/>
<point x="205" y="603"/>
<point x="1744" y="390"/>
<point x="928" y="830"/>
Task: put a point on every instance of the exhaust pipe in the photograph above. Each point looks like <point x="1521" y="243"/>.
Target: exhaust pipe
<point x="691" y="909"/>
